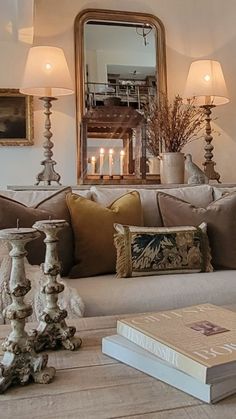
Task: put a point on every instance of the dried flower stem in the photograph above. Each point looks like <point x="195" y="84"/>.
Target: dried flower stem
<point x="172" y="125"/>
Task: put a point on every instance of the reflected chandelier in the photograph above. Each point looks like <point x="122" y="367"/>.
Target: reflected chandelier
<point x="144" y="32"/>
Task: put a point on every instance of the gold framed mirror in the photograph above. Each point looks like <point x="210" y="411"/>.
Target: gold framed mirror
<point x="128" y="64"/>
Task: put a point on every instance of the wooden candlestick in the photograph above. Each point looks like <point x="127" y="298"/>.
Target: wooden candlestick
<point x="53" y="330"/>
<point x="20" y="362"/>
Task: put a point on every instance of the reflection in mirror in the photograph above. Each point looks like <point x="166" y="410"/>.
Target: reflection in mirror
<point x="120" y="65"/>
<point x="120" y="61"/>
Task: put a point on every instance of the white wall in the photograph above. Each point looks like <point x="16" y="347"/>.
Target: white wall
<point x="194" y="30"/>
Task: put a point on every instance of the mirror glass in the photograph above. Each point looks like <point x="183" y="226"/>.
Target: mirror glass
<point x="120" y="64"/>
<point x="120" y="61"/>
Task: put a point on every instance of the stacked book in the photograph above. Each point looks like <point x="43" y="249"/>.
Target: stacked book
<point x="192" y="349"/>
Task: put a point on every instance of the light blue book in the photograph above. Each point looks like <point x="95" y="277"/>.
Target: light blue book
<point x="129" y="353"/>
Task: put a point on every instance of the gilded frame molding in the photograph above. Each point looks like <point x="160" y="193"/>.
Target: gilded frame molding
<point x="115" y="16"/>
<point x="28" y="140"/>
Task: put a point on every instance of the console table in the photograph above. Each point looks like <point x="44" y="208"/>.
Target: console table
<point x="91" y="385"/>
<point x="82" y="186"/>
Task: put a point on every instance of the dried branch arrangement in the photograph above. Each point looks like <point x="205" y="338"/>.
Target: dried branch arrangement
<point x="172" y="125"/>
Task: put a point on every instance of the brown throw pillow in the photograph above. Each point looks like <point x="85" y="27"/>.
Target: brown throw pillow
<point x="93" y="231"/>
<point x="55" y="207"/>
<point x="220" y="217"/>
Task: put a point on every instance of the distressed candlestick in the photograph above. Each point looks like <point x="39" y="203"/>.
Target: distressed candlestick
<point x="20" y="362"/>
<point x="53" y="330"/>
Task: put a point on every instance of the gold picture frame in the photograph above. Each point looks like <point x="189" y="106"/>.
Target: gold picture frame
<point x="16" y="118"/>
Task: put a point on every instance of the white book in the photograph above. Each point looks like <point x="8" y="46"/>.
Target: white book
<point x="198" y="340"/>
<point x="133" y="355"/>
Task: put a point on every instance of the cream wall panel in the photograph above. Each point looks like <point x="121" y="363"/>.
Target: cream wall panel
<point x="194" y="30"/>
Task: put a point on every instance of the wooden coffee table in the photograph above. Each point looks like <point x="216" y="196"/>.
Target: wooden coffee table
<point x="89" y="384"/>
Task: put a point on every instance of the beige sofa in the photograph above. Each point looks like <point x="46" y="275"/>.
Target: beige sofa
<point x="106" y="294"/>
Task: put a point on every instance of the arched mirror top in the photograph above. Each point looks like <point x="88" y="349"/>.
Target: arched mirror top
<point x="141" y="22"/>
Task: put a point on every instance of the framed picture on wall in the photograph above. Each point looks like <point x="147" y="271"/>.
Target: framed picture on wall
<point x="16" y="118"/>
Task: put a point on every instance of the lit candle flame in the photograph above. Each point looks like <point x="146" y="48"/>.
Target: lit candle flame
<point x="207" y="77"/>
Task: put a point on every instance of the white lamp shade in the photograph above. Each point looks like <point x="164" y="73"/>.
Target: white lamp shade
<point x="46" y="73"/>
<point x="206" y="83"/>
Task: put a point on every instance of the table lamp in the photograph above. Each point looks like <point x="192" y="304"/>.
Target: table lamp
<point x="206" y="84"/>
<point x="47" y="75"/>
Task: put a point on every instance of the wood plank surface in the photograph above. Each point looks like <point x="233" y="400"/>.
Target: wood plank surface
<point x="226" y="409"/>
<point x="90" y="385"/>
<point x="98" y="402"/>
<point x="75" y="380"/>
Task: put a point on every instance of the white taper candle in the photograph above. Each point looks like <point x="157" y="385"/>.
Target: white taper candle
<point x="93" y="165"/>
<point x="101" y="160"/>
<point x="111" y="151"/>
<point x="122" y="154"/>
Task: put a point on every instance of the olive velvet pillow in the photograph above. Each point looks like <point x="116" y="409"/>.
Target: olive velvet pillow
<point x="53" y="206"/>
<point x="220" y="217"/>
<point x="93" y="230"/>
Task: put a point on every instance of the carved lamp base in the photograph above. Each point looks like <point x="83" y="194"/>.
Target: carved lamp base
<point x="209" y="170"/>
<point x="209" y="164"/>
<point x="48" y="174"/>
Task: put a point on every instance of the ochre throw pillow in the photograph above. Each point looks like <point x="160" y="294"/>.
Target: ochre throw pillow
<point x="220" y="217"/>
<point x="161" y="250"/>
<point x="93" y="231"/>
<point x="55" y="207"/>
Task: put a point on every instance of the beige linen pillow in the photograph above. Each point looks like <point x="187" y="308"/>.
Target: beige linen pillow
<point x="32" y="198"/>
<point x="93" y="231"/>
<point x="219" y="192"/>
<point x="53" y="206"/>
<point x="220" y="217"/>
<point x="200" y="195"/>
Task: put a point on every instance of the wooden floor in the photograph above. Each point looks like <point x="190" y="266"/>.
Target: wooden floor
<point x="89" y="384"/>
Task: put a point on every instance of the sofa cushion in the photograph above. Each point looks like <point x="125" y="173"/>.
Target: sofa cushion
<point x="53" y="206"/>
<point x="161" y="250"/>
<point x="32" y="198"/>
<point x="93" y="231"/>
<point x="220" y="219"/>
<point x="107" y="295"/>
<point x="200" y="195"/>
<point x="219" y="192"/>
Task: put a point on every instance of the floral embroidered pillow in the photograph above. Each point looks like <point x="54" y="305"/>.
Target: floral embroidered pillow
<point x="161" y="250"/>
